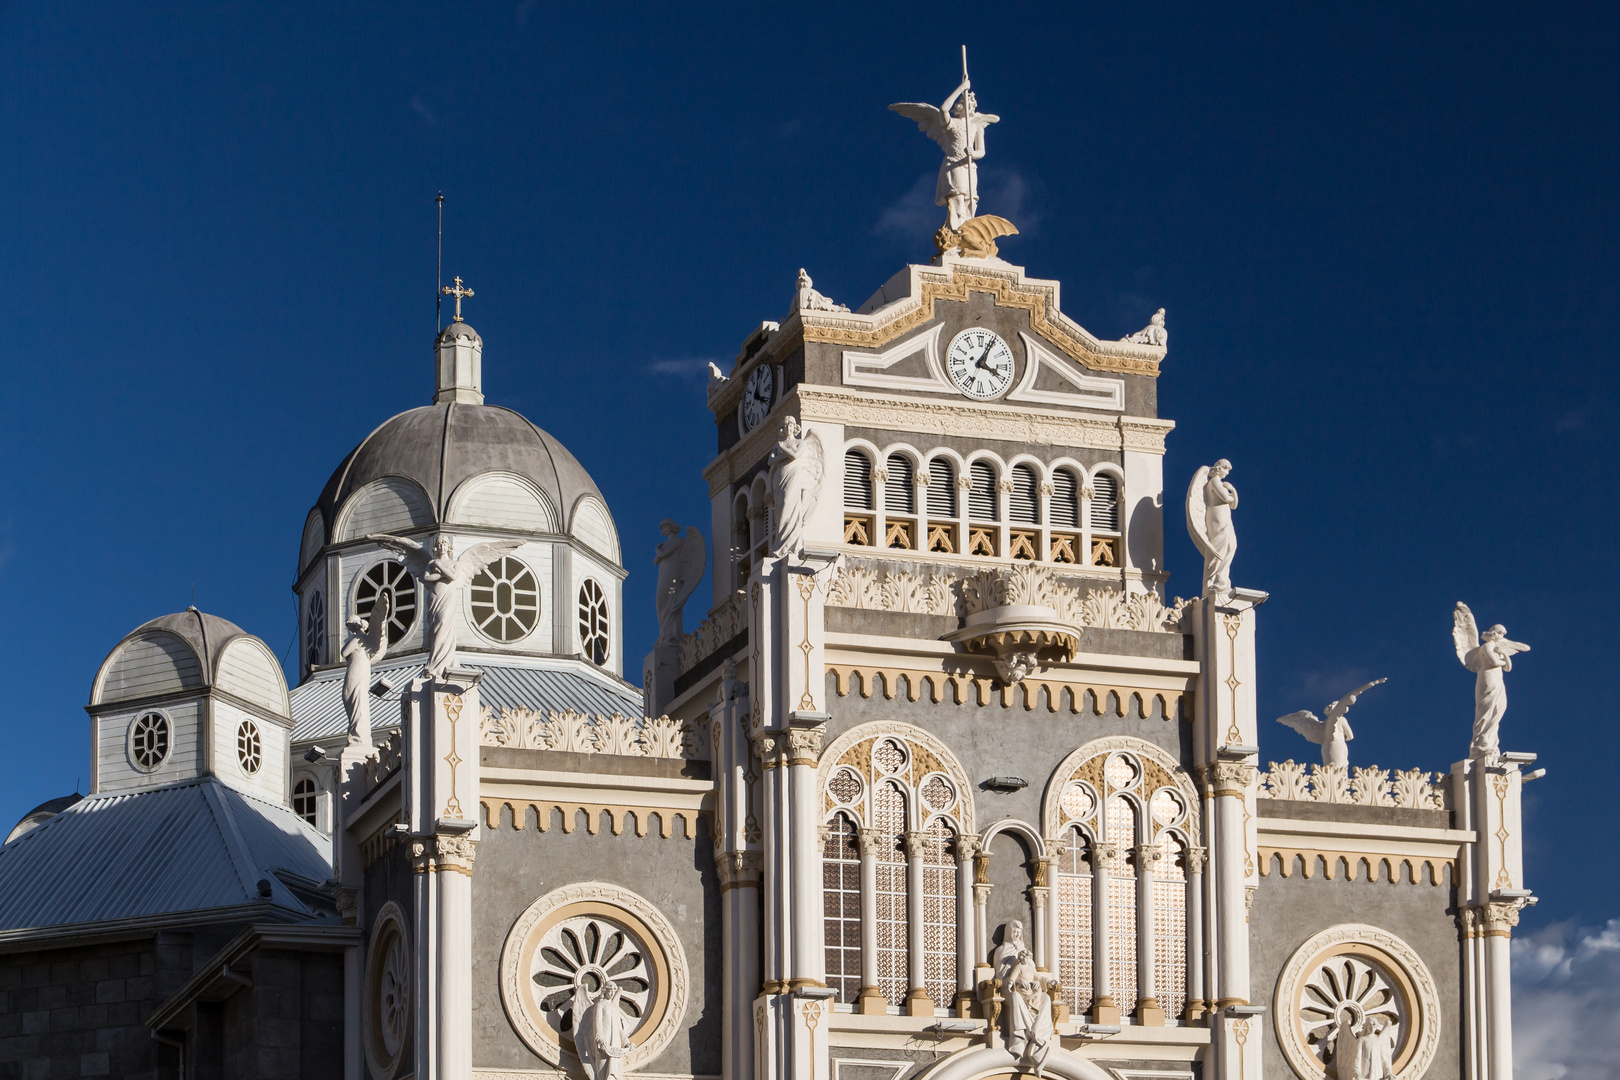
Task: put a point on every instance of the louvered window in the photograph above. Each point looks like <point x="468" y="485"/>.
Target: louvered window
<point x="1105" y="503"/>
<point x="982" y="495"/>
<point x="899" y="494"/>
<point x="857" y="481"/>
<point x="941" y="489"/>
<point x="1065" y="500"/>
<point x="1025" y="503"/>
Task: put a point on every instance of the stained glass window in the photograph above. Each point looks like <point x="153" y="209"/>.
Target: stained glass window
<point x="889" y="819"/>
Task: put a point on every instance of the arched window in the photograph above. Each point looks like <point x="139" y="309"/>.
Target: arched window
<point x="1025" y="503"/>
<point x="315" y="629"/>
<point x="939" y="910"/>
<point x="841" y="905"/>
<point x="982" y="493"/>
<point x="1074" y="875"/>
<point x="857" y="481"/>
<point x="742" y="544"/>
<point x="304" y="796"/>
<point x="899" y="491"/>
<point x="1065" y="500"/>
<point x="1105" y="503"/>
<point x="893" y="930"/>
<point x="1119" y="819"/>
<point x="593" y="622"/>
<point x="941" y="488"/>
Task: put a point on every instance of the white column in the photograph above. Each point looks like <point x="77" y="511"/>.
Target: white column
<point x="918" y="1003"/>
<point x="871" y="1001"/>
<point x="803" y="746"/>
<point x="1195" y="935"/>
<point x="1149" y="1012"/>
<point x="739" y="923"/>
<point x="966" y="923"/>
<point x="1104" y="1009"/>
<point x="981" y="919"/>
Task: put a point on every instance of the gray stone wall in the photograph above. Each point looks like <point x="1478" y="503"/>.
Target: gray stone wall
<point x="1287" y="911"/>
<point x="289" y="1024"/>
<point x="515" y="867"/>
<point x="82" y="1011"/>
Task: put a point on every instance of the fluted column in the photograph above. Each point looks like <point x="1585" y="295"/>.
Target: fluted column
<point x="871" y="1000"/>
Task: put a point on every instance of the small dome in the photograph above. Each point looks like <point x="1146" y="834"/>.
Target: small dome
<point x="206" y="634"/>
<point x="190" y="650"/>
<point x="459" y="330"/>
<point x="438" y="447"/>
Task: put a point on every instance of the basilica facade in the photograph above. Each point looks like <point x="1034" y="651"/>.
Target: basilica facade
<point x="943" y="782"/>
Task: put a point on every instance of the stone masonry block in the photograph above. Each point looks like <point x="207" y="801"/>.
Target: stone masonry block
<point x="109" y="991"/>
<point x="95" y="1065"/>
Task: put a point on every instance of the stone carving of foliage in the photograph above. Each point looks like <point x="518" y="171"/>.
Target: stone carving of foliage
<point x="857" y="587"/>
<point x="580" y="733"/>
<point x="1410" y="789"/>
<point x="724" y="623"/>
<point x="381" y="765"/>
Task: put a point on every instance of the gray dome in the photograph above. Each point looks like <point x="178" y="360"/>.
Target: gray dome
<point x="460" y="330"/>
<point x="206" y="634"/>
<point x="439" y="446"/>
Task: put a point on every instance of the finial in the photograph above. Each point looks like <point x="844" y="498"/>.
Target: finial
<point x="459" y="292"/>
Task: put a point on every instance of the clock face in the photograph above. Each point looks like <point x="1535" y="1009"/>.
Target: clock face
<point x="980" y="363"/>
<point x="758" y="395"/>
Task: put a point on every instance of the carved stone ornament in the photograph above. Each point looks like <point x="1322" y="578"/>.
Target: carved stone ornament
<point x="434" y="854"/>
<point x="1407" y="789"/>
<point x="386" y="1002"/>
<point x="579" y="733"/>
<point x="566" y="948"/>
<point x="1007" y="619"/>
<point x="1356" y="991"/>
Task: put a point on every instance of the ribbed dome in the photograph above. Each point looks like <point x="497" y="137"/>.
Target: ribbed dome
<point x="439" y="446"/>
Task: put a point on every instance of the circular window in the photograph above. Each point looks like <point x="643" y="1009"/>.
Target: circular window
<point x="392" y="577"/>
<point x="249" y="750"/>
<point x="593" y="622"/>
<point x="387" y="998"/>
<point x="590" y="946"/>
<point x="315" y="629"/>
<point x="505" y="600"/>
<point x="303" y="799"/>
<point x="149" y="741"/>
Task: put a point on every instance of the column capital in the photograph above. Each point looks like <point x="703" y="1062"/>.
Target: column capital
<point x="1196" y="857"/>
<point x="1230" y="777"/>
<point x="770" y="747"/>
<point x="916" y="843"/>
<point x="967" y="848"/>
<point x="803" y="746"/>
<point x="1148" y="855"/>
<point x="1108" y="858"/>
<point x="442" y="852"/>
<point x="738" y="869"/>
<point x="871" y="841"/>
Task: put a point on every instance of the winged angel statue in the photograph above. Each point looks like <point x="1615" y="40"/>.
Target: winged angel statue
<point x="1332" y="732"/>
<point x="680" y="561"/>
<point x="958" y="127"/>
<point x="1210" y="502"/>
<point x="445" y="578"/>
<point x="797" y="466"/>
<point x="1488" y="656"/>
<point x="368" y="640"/>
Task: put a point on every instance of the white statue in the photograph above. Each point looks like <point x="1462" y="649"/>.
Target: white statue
<point x="1488" y="655"/>
<point x="602" y="1036"/>
<point x="1026" y="1000"/>
<point x="1345" y="1042"/>
<point x="958" y="127"/>
<point x="1375" y="1052"/>
<point x="1333" y="732"/>
<point x="1210" y="502"/>
<point x="368" y="640"/>
<point x="444" y="577"/>
<point x="680" y="561"/>
<point x="1153" y="333"/>
<point x="797" y="466"/>
<point x="808" y="299"/>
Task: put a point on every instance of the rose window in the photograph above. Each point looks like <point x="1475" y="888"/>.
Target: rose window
<point x="393" y="995"/>
<point x="505" y="600"/>
<point x="576" y="960"/>
<point x="593" y="622"/>
<point x="390" y="577"/>
<point x="249" y="750"/>
<point x="1344" y="993"/>
<point x="149" y="741"/>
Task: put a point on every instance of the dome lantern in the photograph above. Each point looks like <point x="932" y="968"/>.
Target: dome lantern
<point x="460" y="354"/>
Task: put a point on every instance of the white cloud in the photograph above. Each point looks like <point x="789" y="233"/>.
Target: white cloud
<point x="1005" y="192"/>
<point x="1566" y="995"/>
<point x="687" y="367"/>
<point x="914" y="213"/>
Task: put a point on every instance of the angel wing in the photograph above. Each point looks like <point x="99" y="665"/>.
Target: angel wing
<point x="1342" y="706"/>
<point x="1196" y="526"/>
<point x="376" y="632"/>
<point x="979" y="234"/>
<point x="930" y="121"/>
<point x="814" y="458"/>
<point x="1464" y="632"/>
<point x="414" y="554"/>
<point x="1305" y="722"/>
<point x="479" y="556"/>
<point x="694" y="556"/>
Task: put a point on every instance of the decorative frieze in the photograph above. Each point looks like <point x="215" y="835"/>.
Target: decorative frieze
<point x="911" y="588"/>
<point x="581" y="733"/>
<point x="724" y="623"/>
<point x="1410" y="789"/>
<point x="386" y="761"/>
<point x="963" y="689"/>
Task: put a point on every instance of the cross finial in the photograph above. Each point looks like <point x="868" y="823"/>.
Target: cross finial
<point x="459" y="292"/>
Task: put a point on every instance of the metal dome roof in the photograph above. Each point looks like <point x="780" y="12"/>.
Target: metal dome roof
<point x="439" y="446"/>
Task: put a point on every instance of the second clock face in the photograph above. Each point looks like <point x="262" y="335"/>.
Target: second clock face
<point x="758" y="396"/>
<point x="980" y="363"/>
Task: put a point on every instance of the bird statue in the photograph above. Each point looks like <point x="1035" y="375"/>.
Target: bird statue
<point x="1332" y="733"/>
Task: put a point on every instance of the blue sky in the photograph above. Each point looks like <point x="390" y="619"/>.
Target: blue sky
<point x="1384" y="237"/>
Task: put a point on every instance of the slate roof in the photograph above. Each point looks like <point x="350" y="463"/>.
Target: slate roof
<point x="188" y="847"/>
<point x="317" y="705"/>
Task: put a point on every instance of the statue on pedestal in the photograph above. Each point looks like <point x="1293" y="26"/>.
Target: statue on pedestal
<point x="797" y="466"/>
<point x="1488" y="655"/>
<point x="1332" y="733"/>
<point x="1210" y="502"/>
<point x="445" y="577"/>
<point x="958" y="127"/>
<point x="1027" y="1000"/>
<point x="368" y="641"/>
<point x="680" y="561"/>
